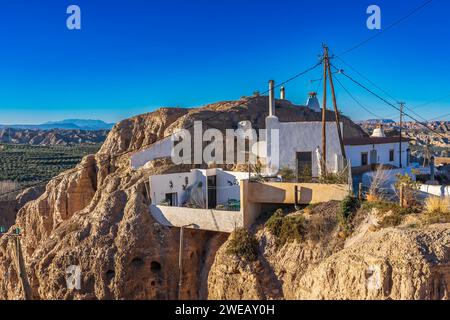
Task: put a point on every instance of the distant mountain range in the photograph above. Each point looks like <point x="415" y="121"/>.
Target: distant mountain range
<point x="51" y="137"/>
<point x="68" y="124"/>
<point x="377" y="121"/>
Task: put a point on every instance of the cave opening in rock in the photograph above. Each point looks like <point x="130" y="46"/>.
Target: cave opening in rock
<point x="137" y="262"/>
<point x="155" y="266"/>
<point x="110" y="275"/>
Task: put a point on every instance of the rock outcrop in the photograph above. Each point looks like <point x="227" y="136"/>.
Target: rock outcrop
<point x="400" y="263"/>
<point x="96" y="217"/>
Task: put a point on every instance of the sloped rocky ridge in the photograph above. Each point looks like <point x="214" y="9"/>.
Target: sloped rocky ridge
<point x="96" y="217"/>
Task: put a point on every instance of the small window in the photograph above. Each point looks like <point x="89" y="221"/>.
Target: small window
<point x="391" y="155"/>
<point x="364" y="158"/>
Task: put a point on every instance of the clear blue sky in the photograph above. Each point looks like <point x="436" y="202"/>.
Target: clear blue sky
<point x="133" y="56"/>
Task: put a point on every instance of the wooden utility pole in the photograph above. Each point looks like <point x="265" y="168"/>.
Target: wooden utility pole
<point x="20" y="263"/>
<point x="402" y="105"/>
<point x="324" y="112"/>
<point x="336" y="111"/>
<point x="180" y="258"/>
<point x="426" y="159"/>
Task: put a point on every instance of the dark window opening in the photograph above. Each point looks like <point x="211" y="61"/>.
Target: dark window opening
<point x="364" y="159"/>
<point x="391" y="155"/>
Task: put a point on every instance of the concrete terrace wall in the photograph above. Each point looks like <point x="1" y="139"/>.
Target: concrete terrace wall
<point x="284" y="193"/>
<point x="256" y="196"/>
<point x="204" y="219"/>
<point x="440" y="191"/>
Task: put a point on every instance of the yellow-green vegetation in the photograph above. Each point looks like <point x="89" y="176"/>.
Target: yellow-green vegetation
<point x="437" y="205"/>
<point x="286" y="228"/>
<point x="392" y="213"/>
<point x="243" y="244"/>
<point x="287" y="174"/>
<point x="437" y="210"/>
<point x="347" y="211"/>
<point x="25" y="164"/>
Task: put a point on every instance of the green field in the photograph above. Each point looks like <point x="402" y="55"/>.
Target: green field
<point x="25" y="164"/>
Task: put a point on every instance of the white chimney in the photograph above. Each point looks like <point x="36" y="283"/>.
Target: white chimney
<point x="313" y="102"/>
<point x="283" y="93"/>
<point x="271" y="98"/>
<point x="378" y="132"/>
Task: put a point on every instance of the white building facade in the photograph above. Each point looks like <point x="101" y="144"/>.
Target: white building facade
<point x="198" y="188"/>
<point x="367" y="151"/>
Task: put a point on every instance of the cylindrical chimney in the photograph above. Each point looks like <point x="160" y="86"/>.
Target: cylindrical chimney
<point x="271" y="98"/>
<point x="283" y="93"/>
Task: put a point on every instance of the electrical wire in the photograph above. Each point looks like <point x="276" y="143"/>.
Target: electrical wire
<point x="354" y="99"/>
<point x="387" y="102"/>
<point x="392" y="25"/>
<point x="111" y="157"/>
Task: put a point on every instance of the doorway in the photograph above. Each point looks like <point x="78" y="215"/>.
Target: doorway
<point x="172" y="199"/>
<point x="304" y="166"/>
<point x="212" y="192"/>
<point x="373" y="157"/>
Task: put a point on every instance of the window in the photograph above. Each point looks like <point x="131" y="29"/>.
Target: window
<point x="391" y="155"/>
<point x="364" y="159"/>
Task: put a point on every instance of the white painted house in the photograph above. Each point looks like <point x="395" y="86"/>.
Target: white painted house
<point x="378" y="149"/>
<point x="199" y="188"/>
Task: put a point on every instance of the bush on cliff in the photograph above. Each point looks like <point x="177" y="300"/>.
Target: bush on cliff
<point x="243" y="245"/>
<point x="286" y="228"/>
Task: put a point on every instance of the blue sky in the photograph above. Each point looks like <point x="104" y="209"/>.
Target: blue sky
<point x="134" y="56"/>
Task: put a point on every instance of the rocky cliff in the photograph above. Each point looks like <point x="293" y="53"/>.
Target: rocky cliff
<point x="96" y="217"/>
<point x="406" y="262"/>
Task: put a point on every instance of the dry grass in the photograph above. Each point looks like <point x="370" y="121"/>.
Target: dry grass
<point x="379" y="179"/>
<point x="435" y="205"/>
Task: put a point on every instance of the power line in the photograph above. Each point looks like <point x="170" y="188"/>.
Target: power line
<point x="388" y="103"/>
<point x="354" y="99"/>
<point x="367" y="79"/>
<point x="111" y="157"/>
<point x="392" y="25"/>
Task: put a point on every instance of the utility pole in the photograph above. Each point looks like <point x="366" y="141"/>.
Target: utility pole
<point x="324" y="112"/>
<point x="426" y="159"/>
<point x="20" y="264"/>
<point x="180" y="259"/>
<point x="402" y="105"/>
<point x="336" y="111"/>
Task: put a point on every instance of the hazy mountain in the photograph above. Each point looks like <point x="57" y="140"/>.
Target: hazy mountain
<point x="68" y="124"/>
<point x="377" y="121"/>
<point x="51" y="137"/>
